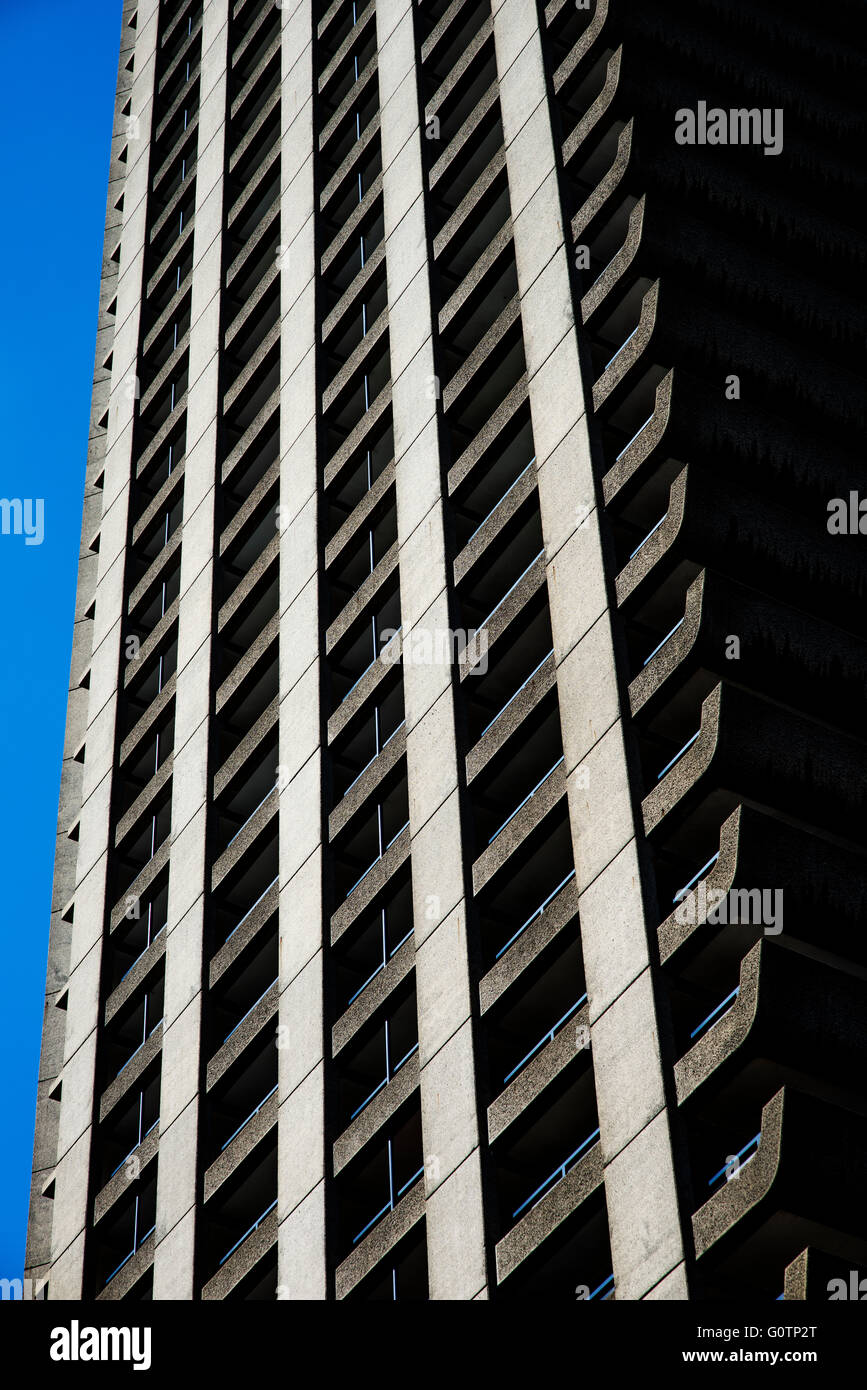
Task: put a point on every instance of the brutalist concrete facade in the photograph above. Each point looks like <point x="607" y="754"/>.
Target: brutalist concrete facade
<point x="458" y="626"/>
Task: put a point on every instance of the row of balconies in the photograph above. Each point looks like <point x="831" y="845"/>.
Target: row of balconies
<point x="377" y="1158"/>
<point x="127" y="1149"/>
<point x="740" y="789"/>
<point x="534" y="1066"/>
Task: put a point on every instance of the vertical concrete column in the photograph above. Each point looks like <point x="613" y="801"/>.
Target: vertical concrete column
<point x="38" y="1256"/>
<point x="453" y="1186"/>
<point x="301" y="1267"/>
<point x="644" y="1222"/>
<point x="182" y="1063"/>
<point x="88" y="907"/>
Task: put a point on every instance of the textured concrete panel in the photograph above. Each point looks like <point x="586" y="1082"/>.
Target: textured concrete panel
<point x="455" y="1234"/>
<point x="628" y="1067"/>
<point x="646" y="1245"/>
<point x="301" y="1250"/>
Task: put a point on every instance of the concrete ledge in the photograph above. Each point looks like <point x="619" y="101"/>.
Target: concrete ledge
<point x="361" y="692"/>
<point x="240" y="939"/>
<point x="548" y="1213"/>
<point x="152" y="642"/>
<point x="530" y="945"/>
<point x="617" y="266"/>
<point x="237" y="1149"/>
<point x="242" y="1260"/>
<point x="129" y="821"/>
<point x="143" y="1154"/>
<point x="511" y="718"/>
<point x="590" y="120"/>
<point x="346" y="167"/>
<point x="258" y="574"/>
<point x="488" y="434"/>
<point x="360" y="514"/>
<point x="244" y="1034"/>
<point x="139" y="972"/>
<point x="468" y="203"/>
<point x="140" y="883"/>
<point x="538" y="1073"/>
<point x="606" y="185"/>
<point x="131" y="1072"/>
<point x="477" y="359"/>
<point x="374" y="880"/>
<point x="253" y="655"/>
<point x="498" y="624"/>
<point x="237" y="761"/>
<point x="543" y="801"/>
<point x="127" y="1277"/>
<point x="349" y="227"/>
<point x="364" y="595"/>
<point x="506" y="508"/>
<point x="245" y="838"/>
<point x="251" y="434"/>
<point x="689" y="768"/>
<point x="583" y="44"/>
<point x="366" y="784"/>
<point x="630" y="352"/>
<point x="376" y="1114"/>
<point x="353" y="442"/>
<point x="383" y="1238"/>
<point x="372" y="996"/>
<point x="246" y="512"/>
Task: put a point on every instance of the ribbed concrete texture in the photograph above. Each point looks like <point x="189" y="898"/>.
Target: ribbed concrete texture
<point x="459" y="885"/>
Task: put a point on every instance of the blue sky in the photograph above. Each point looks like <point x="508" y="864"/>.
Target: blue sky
<point x="58" y="66"/>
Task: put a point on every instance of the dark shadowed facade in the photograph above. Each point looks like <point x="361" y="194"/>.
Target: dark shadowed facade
<point x="460" y="885"/>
